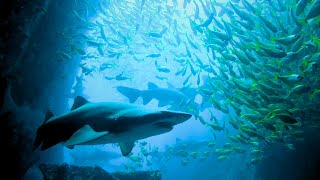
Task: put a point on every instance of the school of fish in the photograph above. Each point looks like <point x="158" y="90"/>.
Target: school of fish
<point x="256" y="62"/>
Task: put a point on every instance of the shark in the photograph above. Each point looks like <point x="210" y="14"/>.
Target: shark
<point x="165" y="96"/>
<point x="78" y="88"/>
<point x="181" y="99"/>
<point x="94" y="123"/>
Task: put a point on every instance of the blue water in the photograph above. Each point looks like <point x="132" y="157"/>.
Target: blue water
<point x="132" y="43"/>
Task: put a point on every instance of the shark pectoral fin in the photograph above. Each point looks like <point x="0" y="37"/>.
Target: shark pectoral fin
<point x="146" y="99"/>
<point x="78" y="102"/>
<point x="126" y="147"/>
<point x="84" y="134"/>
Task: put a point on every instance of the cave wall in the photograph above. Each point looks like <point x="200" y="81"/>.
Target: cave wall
<point x="32" y="78"/>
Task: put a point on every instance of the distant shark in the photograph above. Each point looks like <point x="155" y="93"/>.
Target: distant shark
<point x="165" y="96"/>
<point x="181" y="99"/>
<point x="91" y="123"/>
<point x="78" y="88"/>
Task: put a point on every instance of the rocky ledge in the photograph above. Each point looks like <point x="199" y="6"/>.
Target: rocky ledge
<point x="66" y="172"/>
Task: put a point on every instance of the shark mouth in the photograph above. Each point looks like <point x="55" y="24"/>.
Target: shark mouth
<point x="164" y="124"/>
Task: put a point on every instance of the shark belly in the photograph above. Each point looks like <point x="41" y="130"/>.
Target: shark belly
<point x="131" y="135"/>
<point x="141" y="132"/>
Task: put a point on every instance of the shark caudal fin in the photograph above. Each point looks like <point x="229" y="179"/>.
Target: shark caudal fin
<point x="131" y="93"/>
<point x="40" y="132"/>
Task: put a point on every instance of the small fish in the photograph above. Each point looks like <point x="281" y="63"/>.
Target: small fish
<point x="269" y="24"/>
<point x="186" y="80"/>
<point x="290" y="146"/>
<point x="273" y="52"/>
<point x="193" y="45"/>
<point x="197" y="11"/>
<point x="211" y="144"/>
<point x="299" y="89"/>
<point x="154" y="55"/>
<point x="289" y="79"/>
<point x="314" y="10"/>
<point x="287" y="118"/>
<point x="207" y="22"/>
<point x="223" y="157"/>
<point x="185" y="162"/>
<point x="301" y="5"/>
<point x="106" y="66"/>
<point x="162" y="77"/>
<point x="315" y="96"/>
<point x="288" y="40"/>
<point x="161" y="68"/>
<point x="155" y="35"/>
<point x="188" y="51"/>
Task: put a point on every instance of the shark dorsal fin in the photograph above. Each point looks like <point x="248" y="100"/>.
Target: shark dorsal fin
<point x="170" y="86"/>
<point x="49" y="115"/>
<point x="78" y="102"/>
<point x="152" y="85"/>
<point x="126" y="147"/>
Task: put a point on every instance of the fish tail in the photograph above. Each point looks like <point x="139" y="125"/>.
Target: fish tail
<point x="131" y="93"/>
<point x="39" y="139"/>
<point x="40" y="132"/>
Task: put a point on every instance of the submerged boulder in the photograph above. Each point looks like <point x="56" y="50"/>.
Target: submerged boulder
<point x="66" y="171"/>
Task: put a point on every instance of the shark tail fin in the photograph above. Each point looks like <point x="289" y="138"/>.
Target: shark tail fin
<point x="131" y="93"/>
<point x="39" y="135"/>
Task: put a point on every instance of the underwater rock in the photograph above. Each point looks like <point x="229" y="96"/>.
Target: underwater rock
<point x="3" y="87"/>
<point x="66" y="171"/>
<point x="17" y="152"/>
<point x="151" y="175"/>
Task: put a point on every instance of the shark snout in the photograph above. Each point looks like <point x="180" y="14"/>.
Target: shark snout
<point x="184" y="116"/>
<point x="177" y="117"/>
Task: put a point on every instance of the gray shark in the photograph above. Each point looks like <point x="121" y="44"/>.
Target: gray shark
<point x="165" y="96"/>
<point x="91" y="123"/>
<point x="181" y="99"/>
